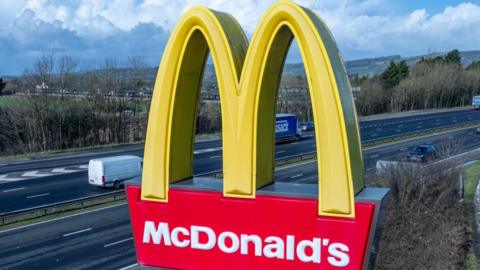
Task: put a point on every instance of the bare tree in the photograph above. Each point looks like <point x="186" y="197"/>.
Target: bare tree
<point x="66" y="71"/>
<point x="42" y="73"/>
<point x="137" y="71"/>
<point x="111" y="78"/>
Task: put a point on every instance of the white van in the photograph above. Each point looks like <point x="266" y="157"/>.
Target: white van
<point x="112" y="171"/>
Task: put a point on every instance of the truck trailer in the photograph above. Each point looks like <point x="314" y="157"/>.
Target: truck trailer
<point x="286" y="128"/>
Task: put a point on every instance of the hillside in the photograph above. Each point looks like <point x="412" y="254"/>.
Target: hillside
<point x="372" y="66"/>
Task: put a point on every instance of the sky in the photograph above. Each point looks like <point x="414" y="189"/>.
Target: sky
<point x="92" y="30"/>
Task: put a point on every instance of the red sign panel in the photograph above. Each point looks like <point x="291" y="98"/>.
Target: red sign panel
<point x="204" y="230"/>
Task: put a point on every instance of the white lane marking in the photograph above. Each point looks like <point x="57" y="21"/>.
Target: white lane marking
<point x="281" y="151"/>
<point x="128" y="266"/>
<point x="375" y="156"/>
<point x="403" y="149"/>
<point x="77" y="232"/>
<point x="217" y="156"/>
<point x="5" y="178"/>
<point x="35" y="174"/>
<point x="374" y="134"/>
<point x="118" y="242"/>
<point x="398" y="130"/>
<point x="63" y="170"/>
<point x="83" y="167"/>
<point x="296" y="176"/>
<point x="60" y="218"/>
<point x="14" y="189"/>
<point x="294" y="165"/>
<point x="378" y="129"/>
<point x="38" y="195"/>
<point x="207" y="150"/>
<point x="314" y="145"/>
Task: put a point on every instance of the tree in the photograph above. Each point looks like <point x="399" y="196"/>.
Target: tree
<point x="453" y="57"/>
<point x="395" y="73"/>
<point x="2" y="85"/>
<point x="66" y="70"/>
<point x="475" y="65"/>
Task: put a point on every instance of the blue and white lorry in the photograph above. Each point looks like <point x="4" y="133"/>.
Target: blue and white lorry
<point x="286" y="128"/>
<point x="476" y="102"/>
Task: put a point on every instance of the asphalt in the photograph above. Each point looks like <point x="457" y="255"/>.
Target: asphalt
<point x="390" y="127"/>
<point x="102" y="239"/>
<point x="447" y="144"/>
<point x="370" y="130"/>
<point x="23" y="194"/>
<point x="54" y="188"/>
<point x="94" y="240"/>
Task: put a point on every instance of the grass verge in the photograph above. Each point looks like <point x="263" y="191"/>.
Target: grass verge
<point x="471" y="177"/>
<point x="59" y="215"/>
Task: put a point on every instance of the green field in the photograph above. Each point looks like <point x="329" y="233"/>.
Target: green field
<point x="9" y="100"/>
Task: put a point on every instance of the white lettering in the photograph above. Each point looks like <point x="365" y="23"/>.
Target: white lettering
<point x="275" y="247"/>
<point x="314" y="245"/>
<point x="175" y="240"/>
<point x="338" y="257"/>
<point x="223" y="246"/>
<point x="163" y="232"/>
<point x="290" y="247"/>
<point x="255" y="239"/>
<point x="281" y="126"/>
<point x="195" y="239"/>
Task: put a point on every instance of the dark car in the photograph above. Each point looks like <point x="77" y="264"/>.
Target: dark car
<point x="422" y="153"/>
<point x="307" y="126"/>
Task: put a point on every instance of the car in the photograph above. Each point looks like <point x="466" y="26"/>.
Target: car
<point x="307" y="126"/>
<point x="478" y="130"/>
<point x="422" y="153"/>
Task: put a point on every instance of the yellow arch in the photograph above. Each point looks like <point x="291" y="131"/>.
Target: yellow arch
<point x="248" y="83"/>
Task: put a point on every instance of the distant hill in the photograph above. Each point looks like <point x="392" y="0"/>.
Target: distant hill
<point x="360" y="67"/>
<point x="372" y="66"/>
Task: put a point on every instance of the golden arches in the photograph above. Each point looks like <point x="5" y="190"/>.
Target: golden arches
<point x="248" y="83"/>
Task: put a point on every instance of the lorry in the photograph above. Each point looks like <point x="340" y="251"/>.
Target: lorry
<point x="286" y="128"/>
<point x="113" y="171"/>
<point x="476" y="102"/>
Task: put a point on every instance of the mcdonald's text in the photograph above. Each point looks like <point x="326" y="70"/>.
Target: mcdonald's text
<point x="274" y="247"/>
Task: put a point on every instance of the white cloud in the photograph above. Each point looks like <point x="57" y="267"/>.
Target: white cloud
<point x="362" y="28"/>
<point x="9" y="9"/>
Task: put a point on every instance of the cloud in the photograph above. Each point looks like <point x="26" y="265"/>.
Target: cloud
<point x="91" y="30"/>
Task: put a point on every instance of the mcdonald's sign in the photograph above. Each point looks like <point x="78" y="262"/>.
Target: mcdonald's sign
<point x="182" y="222"/>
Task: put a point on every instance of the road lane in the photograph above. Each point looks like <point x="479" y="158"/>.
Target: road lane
<point x="82" y="241"/>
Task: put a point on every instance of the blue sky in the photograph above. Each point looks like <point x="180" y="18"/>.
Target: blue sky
<point x="91" y="30"/>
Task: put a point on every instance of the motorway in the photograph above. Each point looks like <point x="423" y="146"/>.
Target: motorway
<point x="370" y="130"/>
<point x="102" y="239"/>
<point x="95" y="240"/>
<point x="63" y="177"/>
